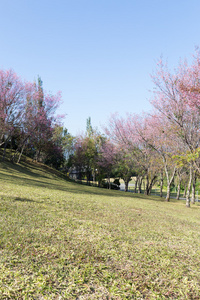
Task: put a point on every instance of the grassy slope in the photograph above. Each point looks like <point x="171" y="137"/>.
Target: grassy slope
<point x="61" y="240"/>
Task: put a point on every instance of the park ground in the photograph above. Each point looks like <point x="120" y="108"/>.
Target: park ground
<point x="63" y="240"/>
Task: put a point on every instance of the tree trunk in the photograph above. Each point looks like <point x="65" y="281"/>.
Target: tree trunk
<point x="188" y="189"/>
<point x="168" y="193"/>
<point x="161" y="184"/>
<point x="126" y="185"/>
<point x="140" y="185"/>
<point x="38" y="155"/>
<point x="169" y="180"/>
<point x="136" y="182"/>
<point x="179" y="184"/>
<point x="146" y="192"/>
<point x="20" y="155"/>
<point x="178" y="190"/>
<point x="151" y="184"/>
<point x="193" y="187"/>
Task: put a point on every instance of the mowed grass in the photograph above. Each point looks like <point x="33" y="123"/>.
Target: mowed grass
<point x="61" y="240"/>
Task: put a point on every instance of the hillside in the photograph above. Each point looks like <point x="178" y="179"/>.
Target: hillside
<point x="61" y="240"/>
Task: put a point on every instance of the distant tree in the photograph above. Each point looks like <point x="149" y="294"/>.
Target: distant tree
<point x="125" y="167"/>
<point x="89" y="129"/>
<point x="63" y="139"/>
<point x="86" y="151"/>
<point x="136" y="156"/>
<point x="176" y="100"/>
<point x="106" y="159"/>
<point x="38" y="120"/>
<point x="12" y="98"/>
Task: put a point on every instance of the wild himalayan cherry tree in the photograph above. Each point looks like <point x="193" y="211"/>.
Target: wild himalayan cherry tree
<point x="12" y="99"/>
<point x="46" y="105"/>
<point x="106" y="159"/>
<point x="157" y="135"/>
<point x="38" y="120"/>
<point x="176" y="98"/>
<point x="125" y="159"/>
<point x="147" y="160"/>
<point x="136" y="154"/>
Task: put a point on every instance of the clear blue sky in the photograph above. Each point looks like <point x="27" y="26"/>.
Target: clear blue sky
<point x="99" y="53"/>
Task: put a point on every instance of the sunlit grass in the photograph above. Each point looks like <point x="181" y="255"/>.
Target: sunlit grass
<point x="61" y="240"/>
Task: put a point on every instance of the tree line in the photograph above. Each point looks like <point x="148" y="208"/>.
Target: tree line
<point x="155" y="147"/>
<point x="161" y="144"/>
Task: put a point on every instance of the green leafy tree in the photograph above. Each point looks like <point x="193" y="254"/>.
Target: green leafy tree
<point x="86" y="152"/>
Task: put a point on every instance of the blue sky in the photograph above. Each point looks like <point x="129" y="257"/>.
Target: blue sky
<point x="99" y="53"/>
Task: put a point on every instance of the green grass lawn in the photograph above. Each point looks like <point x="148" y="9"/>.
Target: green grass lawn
<point x="62" y="240"/>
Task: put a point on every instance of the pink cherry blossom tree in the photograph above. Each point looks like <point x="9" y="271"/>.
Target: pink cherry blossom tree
<point x="176" y="99"/>
<point x="12" y="98"/>
<point x="107" y="159"/>
<point x="39" y="119"/>
<point x="155" y="135"/>
<point x="135" y="152"/>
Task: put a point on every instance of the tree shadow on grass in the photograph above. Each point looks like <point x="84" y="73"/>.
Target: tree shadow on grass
<point x="24" y="200"/>
<point x="22" y="169"/>
<point x="73" y="187"/>
<point x="20" y="199"/>
<point x="41" y="180"/>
